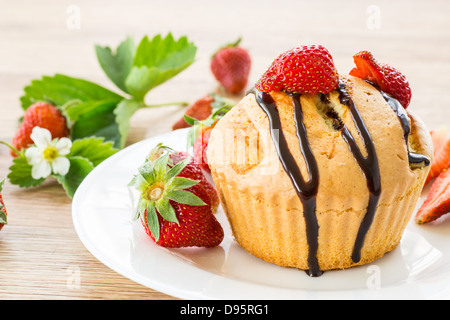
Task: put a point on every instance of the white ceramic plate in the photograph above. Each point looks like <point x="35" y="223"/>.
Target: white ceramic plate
<point x="102" y="214"/>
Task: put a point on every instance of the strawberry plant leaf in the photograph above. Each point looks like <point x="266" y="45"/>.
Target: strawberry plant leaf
<point x="117" y="65"/>
<point x="94" y="149"/>
<point x="156" y="61"/>
<point x="123" y="113"/>
<point x="20" y="174"/>
<point x="79" y="169"/>
<point x="98" y="119"/>
<point x="61" y="89"/>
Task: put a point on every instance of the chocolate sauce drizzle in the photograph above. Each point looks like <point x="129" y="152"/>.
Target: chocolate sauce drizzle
<point x="416" y="159"/>
<point x="369" y="166"/>
<point x="307" y="190"/>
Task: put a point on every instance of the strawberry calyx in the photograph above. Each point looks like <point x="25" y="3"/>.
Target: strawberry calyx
<point x="227" y="45"/>
<point x="158" y="184"/>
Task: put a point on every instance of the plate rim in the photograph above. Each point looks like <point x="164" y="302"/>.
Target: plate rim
<point x="360" y="293"/>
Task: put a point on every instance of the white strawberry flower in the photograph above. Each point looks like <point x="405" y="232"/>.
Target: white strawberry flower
<point x="48" y="156"/>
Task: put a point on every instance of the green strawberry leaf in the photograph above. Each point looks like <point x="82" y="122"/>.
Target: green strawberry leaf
<point x="97" y="118"/>
<point x="79" y="169"/>
<point x="156" y="61"/>
<point x="94" y="149"/>
<point x="117" y="65"/>
<point x="123" y="113"/>
<point x="20" y="173"/>
<point x="61" y="89"/>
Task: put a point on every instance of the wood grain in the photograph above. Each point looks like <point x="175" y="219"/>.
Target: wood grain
<point x="39" y="249"/>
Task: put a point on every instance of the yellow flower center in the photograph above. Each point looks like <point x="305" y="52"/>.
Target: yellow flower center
<point x="50" y="154"/>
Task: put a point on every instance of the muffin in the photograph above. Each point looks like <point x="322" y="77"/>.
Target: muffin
<point x="320" y="177"/>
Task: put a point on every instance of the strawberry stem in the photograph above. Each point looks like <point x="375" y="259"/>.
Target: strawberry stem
<point x="178" y="103"/>
<point x="11" y="147"/>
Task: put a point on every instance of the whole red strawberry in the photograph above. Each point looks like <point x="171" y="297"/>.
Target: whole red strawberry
<point x="3" y="213"/>
<point x="175" y="209"/>
<point x="230" y="66"/>
<point x="40" y="114"/>
<point x="386" y="77"/>
<point x="306" y="69"/>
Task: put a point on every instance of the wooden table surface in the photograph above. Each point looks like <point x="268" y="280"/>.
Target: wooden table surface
<point x="40" y="252"/>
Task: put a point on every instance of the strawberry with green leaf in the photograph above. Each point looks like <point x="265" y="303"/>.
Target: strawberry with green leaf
<point x="200" y="129"/>
<point x="174" y="209"/>
<point x="3" y="213"/>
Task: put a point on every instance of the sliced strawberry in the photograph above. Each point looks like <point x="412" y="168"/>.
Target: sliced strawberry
<point x="367" y="68"/>
<point x="386" y="77"/>
<point x="441" y="144"/>
<point x="437" y="202"/>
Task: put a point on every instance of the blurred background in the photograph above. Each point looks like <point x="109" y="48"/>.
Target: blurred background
<point x="46" y="37"/>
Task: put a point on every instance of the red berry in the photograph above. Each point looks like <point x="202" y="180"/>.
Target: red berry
<point x="3" y="213"/>
<point x="306" y="69"/>
<point x="441" y="146"/>
<point x="230" y="66"/>
<point x="175" y="206"/>
<point x="386" y="77"/>
<point x="42" y="115"/>
<point x="199" y="110"/>
<point x="437" y="202"/>
<point x="197" y="226"/>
